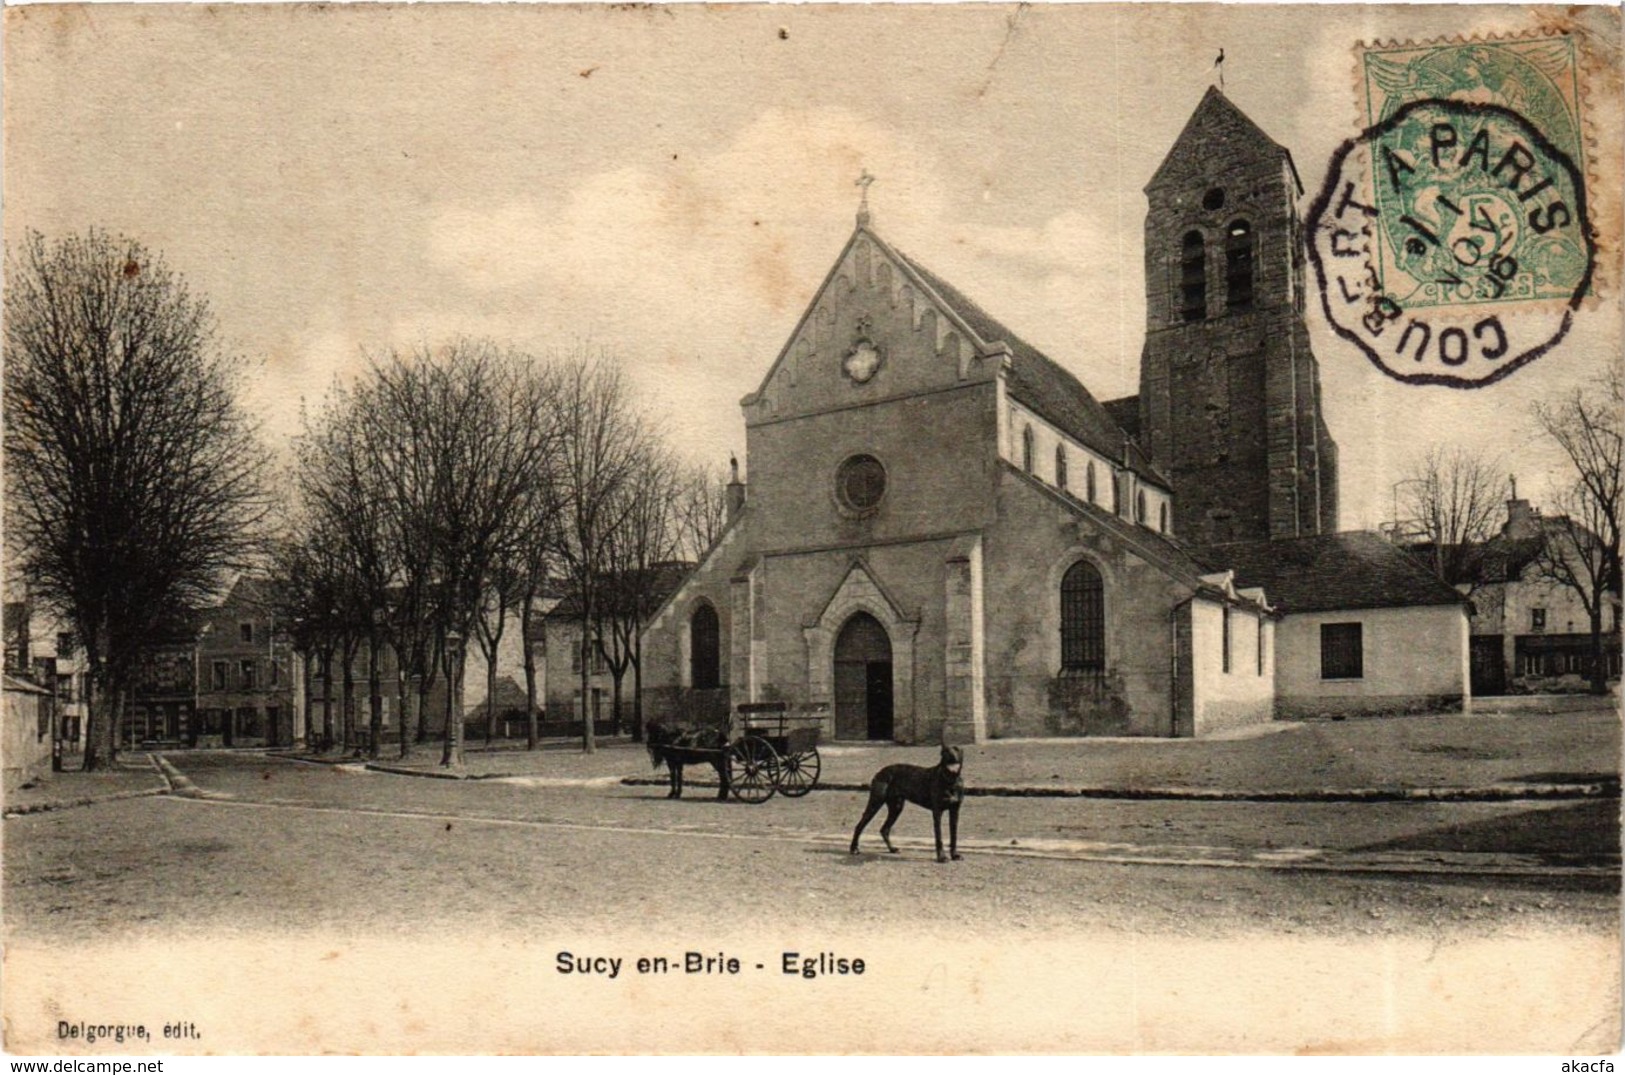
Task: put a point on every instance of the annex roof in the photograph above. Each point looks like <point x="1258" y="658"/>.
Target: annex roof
<point x="663" y="579"/>
<point x="510" y="695"/>
<point x="1327" y="572"/>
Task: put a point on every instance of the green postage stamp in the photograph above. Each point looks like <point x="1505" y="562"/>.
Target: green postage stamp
<point x="1535" y="78"/>
<point x="1452" y="240"/>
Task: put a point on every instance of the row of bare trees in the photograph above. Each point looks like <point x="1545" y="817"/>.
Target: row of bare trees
<point x="428" y="502"/>
<point x="448" y="492"/>
<point x="1452" y="499"/>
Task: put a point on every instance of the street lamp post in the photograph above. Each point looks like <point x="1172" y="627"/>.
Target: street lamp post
<point x="299" y="691"/>
<point x="375" y="692"/>
<point x="453" y="755"/>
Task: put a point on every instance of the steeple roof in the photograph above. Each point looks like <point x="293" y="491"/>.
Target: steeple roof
<point x="1217" y="119"/>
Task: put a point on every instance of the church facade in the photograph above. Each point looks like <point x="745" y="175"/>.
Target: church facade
<point x="946" y="534"/>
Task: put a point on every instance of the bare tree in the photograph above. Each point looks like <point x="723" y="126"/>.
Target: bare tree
<point x="487" y="421"/>
<point x="422" y="473"/>
<point x="303" y="594"/>
<point x="600" y="444"/>
<point x="700" y="508"/>
<point x="502" y="595"/>
<point x="1581" y="550"/>
<point x="134" y="478"/>
<point x="644" y="541"/>
<point x="340" y="483"/>
<point x="1453" y="498"/>
<point x="535" y="561"/>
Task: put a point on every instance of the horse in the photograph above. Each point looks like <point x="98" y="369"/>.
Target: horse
<point x="675" y="748"/>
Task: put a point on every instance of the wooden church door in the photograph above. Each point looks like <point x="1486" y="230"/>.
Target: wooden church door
<point x="863" y="680"/>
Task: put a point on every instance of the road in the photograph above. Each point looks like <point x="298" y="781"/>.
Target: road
<point x="516" y="850"/>
<point x="383" y="913"/>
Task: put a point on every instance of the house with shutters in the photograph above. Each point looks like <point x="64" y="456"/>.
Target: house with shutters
<point x="945" y="534"/>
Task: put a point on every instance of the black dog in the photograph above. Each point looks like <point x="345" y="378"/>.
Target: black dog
<point x="937" y="789"/>
<point x="675" y="748"/>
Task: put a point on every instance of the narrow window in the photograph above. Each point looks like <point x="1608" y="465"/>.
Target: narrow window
<point x="219" y="670"/>
<point x="1162" y="518"/>
<point x="1089" y="481"/>
<point x="1060" y="466"/>
<point x="1027" y="449"/>
<point x="1238" y="265"/>
<point x="248" y="675"/>
<point x="247" y="630"/>
<point x="1139" y="507"/>
<point x="1341" y="655"/>
<point x="1193" y="278"/>
<point x="705" y="649"/>
<point x="1226" y="648"/>
<point x="1537" y="619"/>
<point x="1083" y="619"/>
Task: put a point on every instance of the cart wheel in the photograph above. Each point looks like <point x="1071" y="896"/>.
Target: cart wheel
<point x="798" y="773"/>
<point x="753" y="768"/>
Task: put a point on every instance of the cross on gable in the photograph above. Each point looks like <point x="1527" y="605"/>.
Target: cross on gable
<point x="863" y="182"/>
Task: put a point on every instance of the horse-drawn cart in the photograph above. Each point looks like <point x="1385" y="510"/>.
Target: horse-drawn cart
<point x="764" y="749"/>
<point x="775" y="750"/>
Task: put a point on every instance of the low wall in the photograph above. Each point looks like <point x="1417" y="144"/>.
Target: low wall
<point x="1339" y="707"/>
<point x="26" y="753"/>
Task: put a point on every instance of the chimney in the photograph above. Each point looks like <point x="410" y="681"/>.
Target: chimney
<point x="1523" y="522"/>
<point x="736" y="490"/>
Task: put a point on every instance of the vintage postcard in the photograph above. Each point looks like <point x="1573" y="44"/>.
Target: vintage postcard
<point x="951" y="529"/>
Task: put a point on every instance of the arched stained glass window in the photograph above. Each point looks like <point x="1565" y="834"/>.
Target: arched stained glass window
<point x="1083" y="619"/>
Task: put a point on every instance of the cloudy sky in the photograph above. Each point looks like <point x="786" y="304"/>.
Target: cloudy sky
<point x="672" y="183"/>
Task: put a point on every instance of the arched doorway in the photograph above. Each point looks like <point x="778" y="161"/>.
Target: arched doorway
<point x="863" y="680"/>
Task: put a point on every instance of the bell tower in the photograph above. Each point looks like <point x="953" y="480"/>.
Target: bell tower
<point x="1229" y="388"/>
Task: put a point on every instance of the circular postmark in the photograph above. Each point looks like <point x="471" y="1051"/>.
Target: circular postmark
<point x="1450" y="243"/>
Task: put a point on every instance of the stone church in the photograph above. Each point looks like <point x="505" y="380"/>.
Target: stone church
<point x="945" y="533"/>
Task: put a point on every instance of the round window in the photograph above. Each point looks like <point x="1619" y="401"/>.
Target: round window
<point x="860" y="482"/>
<point x="1213" y="199"/>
